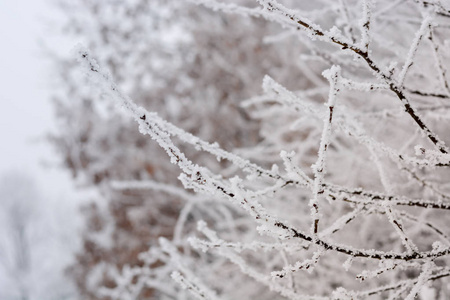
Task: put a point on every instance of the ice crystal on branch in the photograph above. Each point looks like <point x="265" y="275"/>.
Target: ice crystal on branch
<point x="331" y="201"/>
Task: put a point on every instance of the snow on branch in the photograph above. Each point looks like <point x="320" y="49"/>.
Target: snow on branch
<point x="283" y="15"/>
<point x="267" y="221"/>
<point x="201" y="178"/>
<point x="412" y="51"/>
<point x="319" y="168"/>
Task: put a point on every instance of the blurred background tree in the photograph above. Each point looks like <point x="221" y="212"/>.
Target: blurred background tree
<point x="187" y="63"/>
<point x="33" y="244"/>
<point x="195" y="66"/>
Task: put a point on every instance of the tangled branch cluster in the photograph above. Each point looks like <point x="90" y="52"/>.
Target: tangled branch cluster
<point x="345" y="197"/>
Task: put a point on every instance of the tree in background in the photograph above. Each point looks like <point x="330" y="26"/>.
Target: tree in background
<point x="31" y="250"/>
<point x="18" y="210"/>
<point x="186" y="62"/>
<point x="343" y="201"/>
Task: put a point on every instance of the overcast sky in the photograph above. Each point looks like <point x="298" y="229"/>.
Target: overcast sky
<point x="25" y="110"/>
<point x="26" y="116"/>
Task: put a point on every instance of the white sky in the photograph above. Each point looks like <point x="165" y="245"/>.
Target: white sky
<point x="25" y="117"/>
<point x="25" y="110"/>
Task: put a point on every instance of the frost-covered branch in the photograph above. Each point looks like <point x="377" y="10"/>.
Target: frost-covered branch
<point x="270" y="234"/>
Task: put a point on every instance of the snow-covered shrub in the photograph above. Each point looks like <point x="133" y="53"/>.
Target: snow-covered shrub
<point x="193" y="71"/>
<point x="345" y="196"/>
